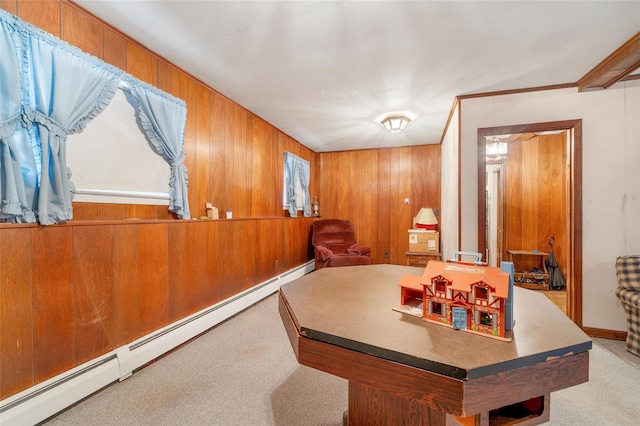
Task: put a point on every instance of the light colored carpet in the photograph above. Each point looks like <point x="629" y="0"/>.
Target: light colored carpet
<point x="243" y="372"/>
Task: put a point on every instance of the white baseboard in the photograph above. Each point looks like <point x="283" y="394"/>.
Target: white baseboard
<point x="44" y="400"/>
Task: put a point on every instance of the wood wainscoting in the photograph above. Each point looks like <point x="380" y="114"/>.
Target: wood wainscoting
<point x="73" y="292"/>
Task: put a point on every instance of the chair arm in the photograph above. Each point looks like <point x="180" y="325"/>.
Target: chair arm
<point x="323" y="253"/>
<point x="358" y="249"/>
<point x="628" y="297"/>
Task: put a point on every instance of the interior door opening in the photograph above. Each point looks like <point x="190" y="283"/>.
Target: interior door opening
<point x="533" y="195"/>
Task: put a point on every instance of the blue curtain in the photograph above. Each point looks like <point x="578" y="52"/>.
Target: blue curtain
<point x="164" y="123"/>
<point x="297" y="170"/>
<point x="48" y="90"/>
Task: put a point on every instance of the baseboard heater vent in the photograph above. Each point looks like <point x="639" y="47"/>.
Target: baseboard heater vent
<point x="44" y="400"/>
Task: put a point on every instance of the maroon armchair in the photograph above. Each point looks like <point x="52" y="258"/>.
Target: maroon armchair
<point x="334" y="244"/>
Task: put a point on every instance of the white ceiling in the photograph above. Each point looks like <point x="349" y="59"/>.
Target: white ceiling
<point x="322" y="71"/>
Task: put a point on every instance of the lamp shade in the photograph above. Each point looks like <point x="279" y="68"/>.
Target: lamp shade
<point x="496" y="149"/>
<point x="395" y="124"/>
<point x="425" y="219"/>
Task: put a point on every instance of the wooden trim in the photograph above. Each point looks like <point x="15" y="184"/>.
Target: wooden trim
<point x="574" y="305"/>
<point x="614" y="67"/>
<point x="516" y="91"/>
<point x="459" y="179"/>
<point x="605" y="334"/>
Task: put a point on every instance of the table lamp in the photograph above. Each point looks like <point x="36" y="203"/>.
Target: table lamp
<point x="425" y="219"/>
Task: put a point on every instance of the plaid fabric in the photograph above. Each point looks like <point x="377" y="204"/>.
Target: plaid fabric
<point x="628" y="291"/>
<point x="628" y="272"/>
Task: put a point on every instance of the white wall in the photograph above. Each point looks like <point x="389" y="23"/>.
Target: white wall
<point x="449" y="189"/>
<point x="610" y="178"/>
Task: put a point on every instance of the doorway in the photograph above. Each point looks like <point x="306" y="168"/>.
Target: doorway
<point x="560" y="200"/>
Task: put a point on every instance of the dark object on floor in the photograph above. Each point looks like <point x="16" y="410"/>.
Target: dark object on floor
<point x="628" y="291"/>
<point x="334" y="243"/>
<point x="556" y="279"/>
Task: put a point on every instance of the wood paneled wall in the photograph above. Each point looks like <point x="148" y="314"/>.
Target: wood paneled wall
<point x="369" y="188"/>
<point x="536" y="197"/>
<point x="72" y="292"/>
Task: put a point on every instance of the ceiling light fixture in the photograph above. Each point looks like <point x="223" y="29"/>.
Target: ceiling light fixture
<point x="496" y="149"/>
<point x="394" y="122"/>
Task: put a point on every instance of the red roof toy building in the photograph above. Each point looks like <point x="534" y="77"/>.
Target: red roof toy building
<point x="469" y="297"/>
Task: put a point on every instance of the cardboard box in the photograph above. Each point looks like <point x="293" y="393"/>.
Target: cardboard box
<point x="421" y="241"/>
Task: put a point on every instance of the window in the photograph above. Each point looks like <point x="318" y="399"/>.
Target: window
<point x="481" y="293"/>
<point x="111" y="161"/>
<point x="50" y="90"/>
<point x="441" y="286"/>
<point x="436" y="308"/>
<point x="296" y="185"/>
<point x="486" y="319"/>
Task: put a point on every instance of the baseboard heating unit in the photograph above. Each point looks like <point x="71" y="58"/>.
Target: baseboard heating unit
<point x="42" y="401"/>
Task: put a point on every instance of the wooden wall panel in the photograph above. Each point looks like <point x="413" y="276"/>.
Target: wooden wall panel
<point x="153" y="269"/>
<point x="10" y="6"/>
<point x="369" y="187"/>
<point x="44" y="14"/>
<point x="200" y="189"/>
<point x="211" y="291"/>
<point x="229" y="249"/>
<point x="140" y="211"/>
<point x="217" y="160"/>
<point x="142" y="64"/>
<point x="241" y="162"/>
<point x="270" y="247"/>
<point x="296" y="241"/>
<point x="87" y="211"/>
<point x="405" y="215"/>
<point x="126" y="284"/>
<point x="513" y="200"/>
<point x="265" y="182"/>
<point x="535" y="198"/>
<point x="246" y="253"/>
<point x="93" y="291"/>
<point x="176" y="270"/>
<point x="81" y="30"/>
<point x="194" y="262"/>
<point x="53" y="328"/>
<point x="115" y="48"/>
<point x="229" y="164"/>
<point x="16" y="321"/>
<point x="113" y="211"/>
<point x="544" y="205"/>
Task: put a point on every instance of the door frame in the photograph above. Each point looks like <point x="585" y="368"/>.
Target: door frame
<point x="574" y="276"/>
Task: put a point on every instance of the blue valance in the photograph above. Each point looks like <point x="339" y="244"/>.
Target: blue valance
<point x="50" y="89"/>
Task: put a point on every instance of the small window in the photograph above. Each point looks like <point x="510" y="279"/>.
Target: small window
<point x="298" y="195"/>
<point x="481" y="293"/>
<point x="486" y="319"/>
<point x="441" y="286"/>
<point x="296" y="185"/>
<point x="436" y="308"/>
<point x="111" y="160"/>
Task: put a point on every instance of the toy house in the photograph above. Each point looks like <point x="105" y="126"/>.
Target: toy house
<point x="468" y="297"/>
